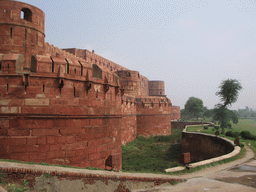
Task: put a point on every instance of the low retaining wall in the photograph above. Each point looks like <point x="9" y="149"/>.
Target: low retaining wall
<point x="205" y="149"/>
<point x="183" y="124"/>
<point x="204" y="146"/>
<point x="59" y="179"/>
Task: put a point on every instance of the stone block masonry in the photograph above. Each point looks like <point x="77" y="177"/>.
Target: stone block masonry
<point x="71" y="106"/>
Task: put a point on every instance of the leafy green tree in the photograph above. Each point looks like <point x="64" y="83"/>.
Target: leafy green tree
<point x="229" y="90"/>
<point x="194" y="107"/>
<point x="208" y="113"/>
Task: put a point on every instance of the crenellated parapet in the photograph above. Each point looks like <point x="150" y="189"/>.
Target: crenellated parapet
<point x="153" y="116"/>
<point x="92" y="57"/>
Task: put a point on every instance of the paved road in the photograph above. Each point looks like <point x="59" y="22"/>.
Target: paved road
<point x="236" y="176"/>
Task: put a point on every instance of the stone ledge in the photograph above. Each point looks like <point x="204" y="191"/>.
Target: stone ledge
<point x="235" y="152"/>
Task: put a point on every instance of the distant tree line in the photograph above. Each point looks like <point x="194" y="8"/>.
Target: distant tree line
<point x="246" y="113"/>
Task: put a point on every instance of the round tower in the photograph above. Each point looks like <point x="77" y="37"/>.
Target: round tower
<point x="22" y="29"/>
<point x="131" y="82"/>
<point x="156" y="88"/>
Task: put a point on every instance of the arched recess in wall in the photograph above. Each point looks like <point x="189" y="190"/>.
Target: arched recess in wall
<point x="96" y="71"/>
<point x="33" y="64"/>
<point x="26" y="14"/>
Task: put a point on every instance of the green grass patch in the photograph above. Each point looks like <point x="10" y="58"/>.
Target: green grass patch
<point x="245" y="125"/>
<point x="152" y="155"/>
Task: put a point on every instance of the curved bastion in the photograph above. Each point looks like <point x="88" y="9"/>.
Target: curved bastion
<point x="70" y="106"/>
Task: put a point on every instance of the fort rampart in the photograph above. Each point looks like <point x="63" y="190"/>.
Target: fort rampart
<point x="69" y="106"/>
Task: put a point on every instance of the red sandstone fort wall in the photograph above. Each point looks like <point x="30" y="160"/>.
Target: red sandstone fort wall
<point x="59" y="116"/>
<point x="153" y="116"/>
<point x="129" y="119"/>
<point x="175" y="112"/>
<point x="68" y="107"/>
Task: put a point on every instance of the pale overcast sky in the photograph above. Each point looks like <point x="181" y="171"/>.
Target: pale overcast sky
<point x="192" y="45"/>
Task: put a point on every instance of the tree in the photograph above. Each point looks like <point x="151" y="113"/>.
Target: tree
<point x="229" y="90"/>
<point x="208" y="113"/>
<point x="194" y="107"/>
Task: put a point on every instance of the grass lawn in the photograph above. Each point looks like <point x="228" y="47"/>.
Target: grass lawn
<point x="152" y="155"/>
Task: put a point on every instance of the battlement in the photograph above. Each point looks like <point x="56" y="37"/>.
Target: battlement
<point x="92" y="57"/>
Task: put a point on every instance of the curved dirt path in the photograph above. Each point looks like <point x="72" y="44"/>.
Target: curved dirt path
<point x="220" y="178"/>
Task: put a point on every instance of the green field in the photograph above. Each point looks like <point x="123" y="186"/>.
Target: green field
<point x="243" y="125"/>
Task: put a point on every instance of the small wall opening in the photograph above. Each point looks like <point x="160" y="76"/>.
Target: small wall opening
<point x="96" y="72"/>
<point x="26" y="14"/>
<point x="36" y="39"/>
<point x="33" y="64"/>
<point x="67" y="66"/>
<point x="11" y="30"/>
<point x="81" y="68"/>
<point x="25" y="34"/>
<point x="52" y="65"/>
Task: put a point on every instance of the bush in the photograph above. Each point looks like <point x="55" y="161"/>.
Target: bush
<point x="205" y="127"/>
<point x="247" y="135"/>
<point x="216" y="127"/>
<point x="232" y="134"/>
<point x="211" y="125"/>
<point x="229" y="126"/>
<point x="213" y="129"/>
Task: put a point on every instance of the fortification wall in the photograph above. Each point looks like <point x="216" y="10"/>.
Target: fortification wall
<point x="68" y="107"/>
<point x="59" y="117"/>
<point x="92" y="57"/>
<point x="153" y="116"/>
<point x="175" y="112"/>
<point x="129" y="119"/>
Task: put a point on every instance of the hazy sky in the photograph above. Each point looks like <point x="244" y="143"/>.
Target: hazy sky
<point x="192" y="45"/>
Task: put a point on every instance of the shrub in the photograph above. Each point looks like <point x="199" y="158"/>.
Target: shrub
<point x="205" y="127"/>
<point x="247" y="135"/>
<point x="211" y="125"/>
<point x="232" y="134"/>
<point x="216" y="127"/>
<point x="213" y="129"/>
